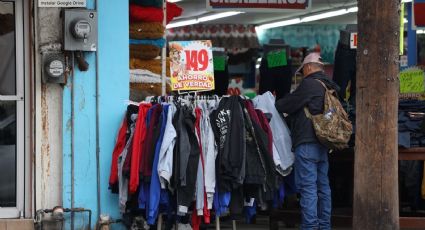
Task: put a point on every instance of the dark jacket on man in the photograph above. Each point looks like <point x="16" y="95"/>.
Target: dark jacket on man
<point x="310" y="93"/>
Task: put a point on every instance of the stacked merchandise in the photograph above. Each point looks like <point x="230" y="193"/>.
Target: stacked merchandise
<point x="146" y="42"/>
<point x="192" y="158"/>
<point x="411" y="123"/>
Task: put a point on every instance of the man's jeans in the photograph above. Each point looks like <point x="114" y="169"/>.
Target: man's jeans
<point x="311" y="179"/>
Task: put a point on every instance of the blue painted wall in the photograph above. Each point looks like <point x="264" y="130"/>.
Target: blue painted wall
<point x="112" y="69"/>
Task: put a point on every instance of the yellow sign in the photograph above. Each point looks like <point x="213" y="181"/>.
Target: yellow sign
<point x="191" y="64"/>
<point x="412" y="81"/>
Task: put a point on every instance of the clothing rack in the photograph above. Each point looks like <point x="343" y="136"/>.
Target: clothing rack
<point x="193" y="98"/>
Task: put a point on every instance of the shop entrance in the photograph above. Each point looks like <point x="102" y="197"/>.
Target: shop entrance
<point x="11" y="109"/>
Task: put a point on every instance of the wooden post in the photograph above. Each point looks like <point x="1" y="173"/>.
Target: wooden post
<point x="376" y="204"/>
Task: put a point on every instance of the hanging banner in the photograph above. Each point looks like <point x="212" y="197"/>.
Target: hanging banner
<point x="191" y="65"/>
<point x="258" y="5"/>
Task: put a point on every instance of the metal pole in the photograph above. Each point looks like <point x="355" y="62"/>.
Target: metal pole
<point x="217" y="223"/>
<point x="164" y="52"/>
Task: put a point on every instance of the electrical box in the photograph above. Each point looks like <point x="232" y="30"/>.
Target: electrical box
<point x="80" y="30"/>
<point x="54" y="68"/>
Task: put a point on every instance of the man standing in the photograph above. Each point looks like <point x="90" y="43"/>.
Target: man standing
<point x="311" y="157"/>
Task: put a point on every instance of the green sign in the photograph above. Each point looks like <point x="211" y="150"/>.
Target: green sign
<point x="277" y="59"/>
<point x="219" y="63"/>
<point x="412" y="81"/>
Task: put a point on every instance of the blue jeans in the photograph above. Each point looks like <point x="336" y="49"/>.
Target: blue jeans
<point x="311" y="179"/>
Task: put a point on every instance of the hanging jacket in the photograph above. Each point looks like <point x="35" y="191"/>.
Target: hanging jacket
<point x="152" y="134"/>
<point x="255" y="166"/>
<point x="119" y="147"/>
<point x="266" y="127"/>
<point x="209" y="149"/>
<point x="201" y="195"/>
<point x="283" y="156"/>
<point x="138" y="142"/>
<point x="155" y="186"/>
<point x="165" y="164"/>
<point x="122" y="180"/>
<point x="228" y="125"/>
<point x="188" y="163"/>
<point x="200" y="184"/>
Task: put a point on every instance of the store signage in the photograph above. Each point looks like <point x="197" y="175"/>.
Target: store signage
<point x="353" y="41"/>
<point x="277" y="59"/>
<point x="62" y="3"/>
<point x="247" y="5"/>
<point x="191" y="64"/>
<point x="412" y="81"/>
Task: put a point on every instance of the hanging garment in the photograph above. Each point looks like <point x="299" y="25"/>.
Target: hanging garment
<point x="228" y="125"/>
<point x="345" y="71"/>
<point x="255" y="166"/>
<point x="122" y="180"/>
<point x="188" y="154"/>
<point x="266" y="127"/>
<point x="165" y="163"/>
<point x="209" y="149"/>
<point x="283" y="156"/>
<point x="200" y="184"/>
<point x="275" y="79"/>
<point x="155" y="186"/>
<point x="138" y="142"/>
<point x="119" y="147"/>
<point x="153" y="133"/>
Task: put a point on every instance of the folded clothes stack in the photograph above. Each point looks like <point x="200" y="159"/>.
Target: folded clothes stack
<point x="146" y="41"/>
<point x="411" y="123"/>
<point x="153" y="65"/>
<point x="140" y="12"/>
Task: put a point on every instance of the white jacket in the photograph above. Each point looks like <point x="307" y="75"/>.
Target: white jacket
<point x="165" y="163"/>
<point x="283" y="156"/>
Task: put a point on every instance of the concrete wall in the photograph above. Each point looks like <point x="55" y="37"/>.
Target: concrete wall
<point x="48" y="119"/>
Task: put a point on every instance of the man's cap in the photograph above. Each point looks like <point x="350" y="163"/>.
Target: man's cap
<point x="311" y="58"/>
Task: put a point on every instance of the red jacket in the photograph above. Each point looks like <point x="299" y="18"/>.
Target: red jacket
<point x="138" y="142"/>
<point x="119" y="147"/>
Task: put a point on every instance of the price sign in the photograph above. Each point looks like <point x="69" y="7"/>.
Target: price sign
<point x="412" y="81"/>
<point x="277" y="59"/>
<point x="191" y="64"/>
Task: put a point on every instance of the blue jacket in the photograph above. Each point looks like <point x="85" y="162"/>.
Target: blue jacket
<point x="155" y="186"/>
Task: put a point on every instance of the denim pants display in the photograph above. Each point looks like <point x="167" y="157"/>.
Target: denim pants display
<point x="411" y="123"/>
<point x="277" y="80"/>
<point x="312" y="182"/>
<point x="345" y="71"/>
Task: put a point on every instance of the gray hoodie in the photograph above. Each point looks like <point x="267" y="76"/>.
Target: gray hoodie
<point x="206" y="178"/>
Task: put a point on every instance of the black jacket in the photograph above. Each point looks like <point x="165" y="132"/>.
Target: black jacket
<point x="310" y="94"/>
<point x="228" y="125"/>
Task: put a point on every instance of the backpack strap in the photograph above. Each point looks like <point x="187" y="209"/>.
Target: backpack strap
<point x="323" y="84"/>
